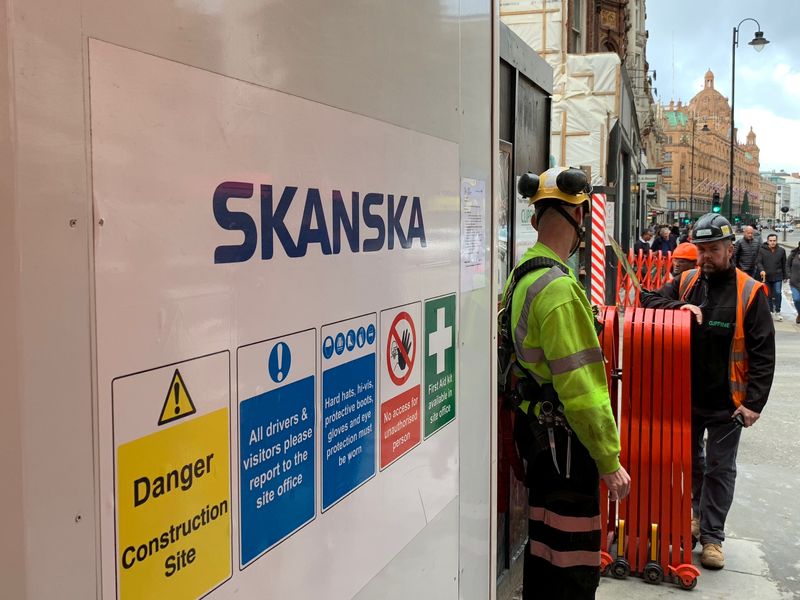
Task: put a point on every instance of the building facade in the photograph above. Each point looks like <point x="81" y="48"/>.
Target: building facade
<point x="787" y="192"/>
<point x="594" y="122"/>
<point x="769" y="205"/>
<point x="696" y="157"/>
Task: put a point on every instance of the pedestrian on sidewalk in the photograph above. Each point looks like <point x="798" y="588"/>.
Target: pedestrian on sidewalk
<point x="772" y="260"/>
<point x="564" y="392"/>
<point x="733" y="363"/>
<point x="665" y="242"/>
<point x="745" y="254"/>
<point x="643" y="243"/>
<point x="794" y="279"/>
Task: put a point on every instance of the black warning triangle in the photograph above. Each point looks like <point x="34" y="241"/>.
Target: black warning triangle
<point x="178" y="403"/>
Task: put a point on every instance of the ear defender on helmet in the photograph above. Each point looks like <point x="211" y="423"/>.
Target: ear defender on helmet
<point x="573" y="181"/>
<point x="528" y="185"/>
<point x="568" y="185"/>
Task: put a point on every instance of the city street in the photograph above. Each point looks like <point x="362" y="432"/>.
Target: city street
<point x="791" y="238"/>
<point x="762" y="559"/>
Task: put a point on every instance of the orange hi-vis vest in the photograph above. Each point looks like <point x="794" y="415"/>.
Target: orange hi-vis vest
<point x="746" y="290"/>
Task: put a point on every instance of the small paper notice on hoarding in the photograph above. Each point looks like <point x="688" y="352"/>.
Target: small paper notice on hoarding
<point x="473" y="234"/>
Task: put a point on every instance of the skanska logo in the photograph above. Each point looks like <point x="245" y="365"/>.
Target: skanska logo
<point x="368" y="223"/>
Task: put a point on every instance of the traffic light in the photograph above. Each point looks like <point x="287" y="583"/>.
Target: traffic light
<point x="715" y="205"/>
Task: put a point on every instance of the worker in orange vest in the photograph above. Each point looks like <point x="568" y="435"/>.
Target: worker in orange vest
<point x="733" y="363"/>
<point x="684" y="258"/>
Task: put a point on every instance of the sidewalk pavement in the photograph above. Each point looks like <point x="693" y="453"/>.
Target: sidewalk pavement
<point x="746" y="575"/>
<point x="762" y="549"/>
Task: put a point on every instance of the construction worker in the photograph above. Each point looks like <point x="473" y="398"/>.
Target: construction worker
<point x="684" y="258"/>
<point x="566" y="406"/>
<point x="733" y="362"/>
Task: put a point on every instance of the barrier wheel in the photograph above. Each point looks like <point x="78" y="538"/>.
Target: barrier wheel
<point x="653" y="573"/>
<point x="687" y="585"/>
<point x="620" y="569"/>
<point x="685" y="575"/>
<point x="605" y="563"/>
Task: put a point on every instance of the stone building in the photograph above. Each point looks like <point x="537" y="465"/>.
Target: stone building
<point x="597" y="103"/>
<point x="697" y="154"/>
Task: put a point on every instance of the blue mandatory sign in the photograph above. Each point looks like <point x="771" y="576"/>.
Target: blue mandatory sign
<point x="339" y="343"/>
<point x="370" y="333"/>
<point x="280" y="360"/>
<point x="348" y="431"/>
<point x="361" y="337"/>
<point x="351" y="340"/>
<point x="276" y="465"/>
<point x="327" y="347"/>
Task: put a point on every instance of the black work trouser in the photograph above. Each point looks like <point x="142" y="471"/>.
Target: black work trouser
<point x="713" y="472"/>
<point x="563" y="554"/>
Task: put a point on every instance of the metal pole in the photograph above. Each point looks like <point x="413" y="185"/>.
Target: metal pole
<point x="784" y="226"/>
<point x="733" y="99"/>
<point x="691" y="182"/>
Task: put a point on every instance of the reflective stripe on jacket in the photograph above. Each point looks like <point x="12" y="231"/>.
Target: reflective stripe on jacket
<point x="555" y="341"/>
<point x="746" y="290"/>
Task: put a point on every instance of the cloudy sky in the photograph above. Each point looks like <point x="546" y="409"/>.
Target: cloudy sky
<point x="687" y="37"/>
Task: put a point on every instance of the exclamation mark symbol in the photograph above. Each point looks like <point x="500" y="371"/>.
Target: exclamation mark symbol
<point x="279" y="348"/>
<point x="280" y="361"/>
<point x="177" y="402"/>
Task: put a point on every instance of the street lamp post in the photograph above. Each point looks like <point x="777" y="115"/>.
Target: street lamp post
<point x="691" y="174"/>
<point x="758" y="43"/>
<point x="705" y="129"/>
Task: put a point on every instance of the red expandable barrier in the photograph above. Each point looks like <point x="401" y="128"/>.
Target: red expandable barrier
<point x="653" y="537"/>
<point x="653" y="270"/>
<point x="609" y="343"/>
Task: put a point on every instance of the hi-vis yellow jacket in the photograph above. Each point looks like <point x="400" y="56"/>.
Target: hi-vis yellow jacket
<point x="555" y="340"/>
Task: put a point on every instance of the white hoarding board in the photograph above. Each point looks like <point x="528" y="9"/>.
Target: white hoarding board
<point x="268" y="235"/>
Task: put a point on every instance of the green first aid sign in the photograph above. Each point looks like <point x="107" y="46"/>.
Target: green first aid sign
<point x="440" y="362"/>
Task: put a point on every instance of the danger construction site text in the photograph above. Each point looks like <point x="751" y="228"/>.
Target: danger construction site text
<point x="151" y="487"/>
<point x="177" y="531"/>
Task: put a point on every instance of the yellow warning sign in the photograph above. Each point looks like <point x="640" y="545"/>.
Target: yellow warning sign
<point x="178" y="403"/>
<point x="173" y="508"/>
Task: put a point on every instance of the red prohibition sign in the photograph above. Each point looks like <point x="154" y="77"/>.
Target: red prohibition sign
<point x="401" y="316"/>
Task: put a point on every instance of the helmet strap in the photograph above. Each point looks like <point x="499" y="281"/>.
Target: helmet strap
<point x="579" y="229"/>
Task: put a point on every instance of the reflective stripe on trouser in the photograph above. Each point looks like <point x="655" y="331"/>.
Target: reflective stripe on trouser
<point x="563" y="555"/>
<point x="713" y="473"/>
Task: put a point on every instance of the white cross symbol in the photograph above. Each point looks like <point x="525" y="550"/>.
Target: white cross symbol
<point x="440" y="340"/>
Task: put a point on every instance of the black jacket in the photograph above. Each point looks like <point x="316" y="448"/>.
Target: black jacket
<point x="794" y="268"/>
<point x="711" y="342"/>
<point x="641" y="245"/>
<point x="659" y="244"/>
<point x="773" y="263"/>
<point x="745" y="255"/>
